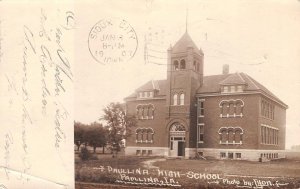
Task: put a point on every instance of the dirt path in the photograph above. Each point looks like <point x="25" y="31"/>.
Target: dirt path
<point x="149" y="163"/>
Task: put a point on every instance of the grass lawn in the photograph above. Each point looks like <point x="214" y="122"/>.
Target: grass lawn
<point x="278" y="168"/>
<point x="192" y="172"/>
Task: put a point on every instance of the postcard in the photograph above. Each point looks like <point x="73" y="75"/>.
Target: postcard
<point x="149" y="94"/>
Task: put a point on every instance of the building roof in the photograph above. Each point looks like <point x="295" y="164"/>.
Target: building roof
<point x="235" y="78"/>
<point x="211" y="84"/>
<point x="183" y="43"/>
<point x="157" y="85"/>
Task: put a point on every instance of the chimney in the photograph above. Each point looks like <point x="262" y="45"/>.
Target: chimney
<point x="225" y="69"/>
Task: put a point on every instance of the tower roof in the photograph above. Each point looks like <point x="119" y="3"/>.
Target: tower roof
<point x="183" y="43"/>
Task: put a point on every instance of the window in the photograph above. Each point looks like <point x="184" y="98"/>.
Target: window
<point x="238" y="136"/>
<point x="194" y="65"/>
<point x="181" y="99"/>
<point x="200" y="131"/>
<point x="225" y="89"/>
<point x="269" y="135"/>
<point x="239" y="108"/>
<point x="145" y="94"/>
<point x="232" y="89"/>
<point x="175" y="99"/>
<point x="176" y="65"/>
<point x="223" y="136"/>
<point x="230" y="155"/>
<point x="182" y="64"/>
<point x="149" y="152"/>
<point x="144" y="135"/>
<point x="144" y="152"/>
<point x="145" y="111"/>
<point x="200" y="124"/>
<point x="267" y="109"/>
<point x="238" y="155"/>
<point x="151" y="94"/>
<point x="200" y="108"/>
<point x="222" y="155"/>
<point x="239" y="88"/>
<point x="231" y="135"/>
<point x="138" y="152"/>
<point x="149" y="133"/>
<point x="231" y="108"/>
<point x="139" y="135"/>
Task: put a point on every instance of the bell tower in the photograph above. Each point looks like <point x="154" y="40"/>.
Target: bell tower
<point x="184" y="76"/>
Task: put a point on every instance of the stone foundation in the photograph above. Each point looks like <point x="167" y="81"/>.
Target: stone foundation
<point x="147" y="151"/>
<point x="242" y="154"/>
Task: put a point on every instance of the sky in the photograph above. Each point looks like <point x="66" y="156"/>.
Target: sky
<point x="260" y="38"/>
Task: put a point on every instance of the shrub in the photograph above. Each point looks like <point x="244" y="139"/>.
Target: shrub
<point x="84" y="154"/>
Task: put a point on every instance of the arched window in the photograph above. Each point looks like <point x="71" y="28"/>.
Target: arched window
<point x="231" y="108"/>
<point x="238" y="136"/>
<point x="145" y="111"/>
<point x="151" y="111"/>
<point x="182" y="64"/>
<point x="223" y="136"/>
<point x="177" y="127"/>
<point x="175" y="99"/>
<point x="239" y="108"/>
<point x="139" y="135"/>
<point x="140" y="112"/>
<point x="181" y="99"/>
<point x="144" y="135"/>
<point x="150" y="134"/>
<point x="230" y="136"/>
<point x="176" y="65"/>
<point x="224" y="107"/>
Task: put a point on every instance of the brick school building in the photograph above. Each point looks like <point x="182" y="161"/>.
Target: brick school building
<point x="226" y="116"/>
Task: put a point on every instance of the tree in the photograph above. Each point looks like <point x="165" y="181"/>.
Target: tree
<point x="79" y="130"/>
<point x="96" y="135"/>
<point x="118" y="124"/>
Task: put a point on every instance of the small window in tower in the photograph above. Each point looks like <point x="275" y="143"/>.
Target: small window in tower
<point x="194" y="65"/>
<point x="182" y="64"/>
<point x="181" y="99"/>
<point x="176" y="65"/>
<point x="175" y="99"/>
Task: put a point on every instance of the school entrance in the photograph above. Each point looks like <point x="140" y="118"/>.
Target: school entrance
<point x="177" y="140"/>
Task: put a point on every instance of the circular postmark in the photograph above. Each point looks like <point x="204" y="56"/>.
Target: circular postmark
<point x="112" y="41"/>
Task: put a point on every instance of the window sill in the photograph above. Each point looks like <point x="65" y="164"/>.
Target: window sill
<point x="144" y="141"/>
<point x="227" y="143"/>
<point x="231" y="116"/>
